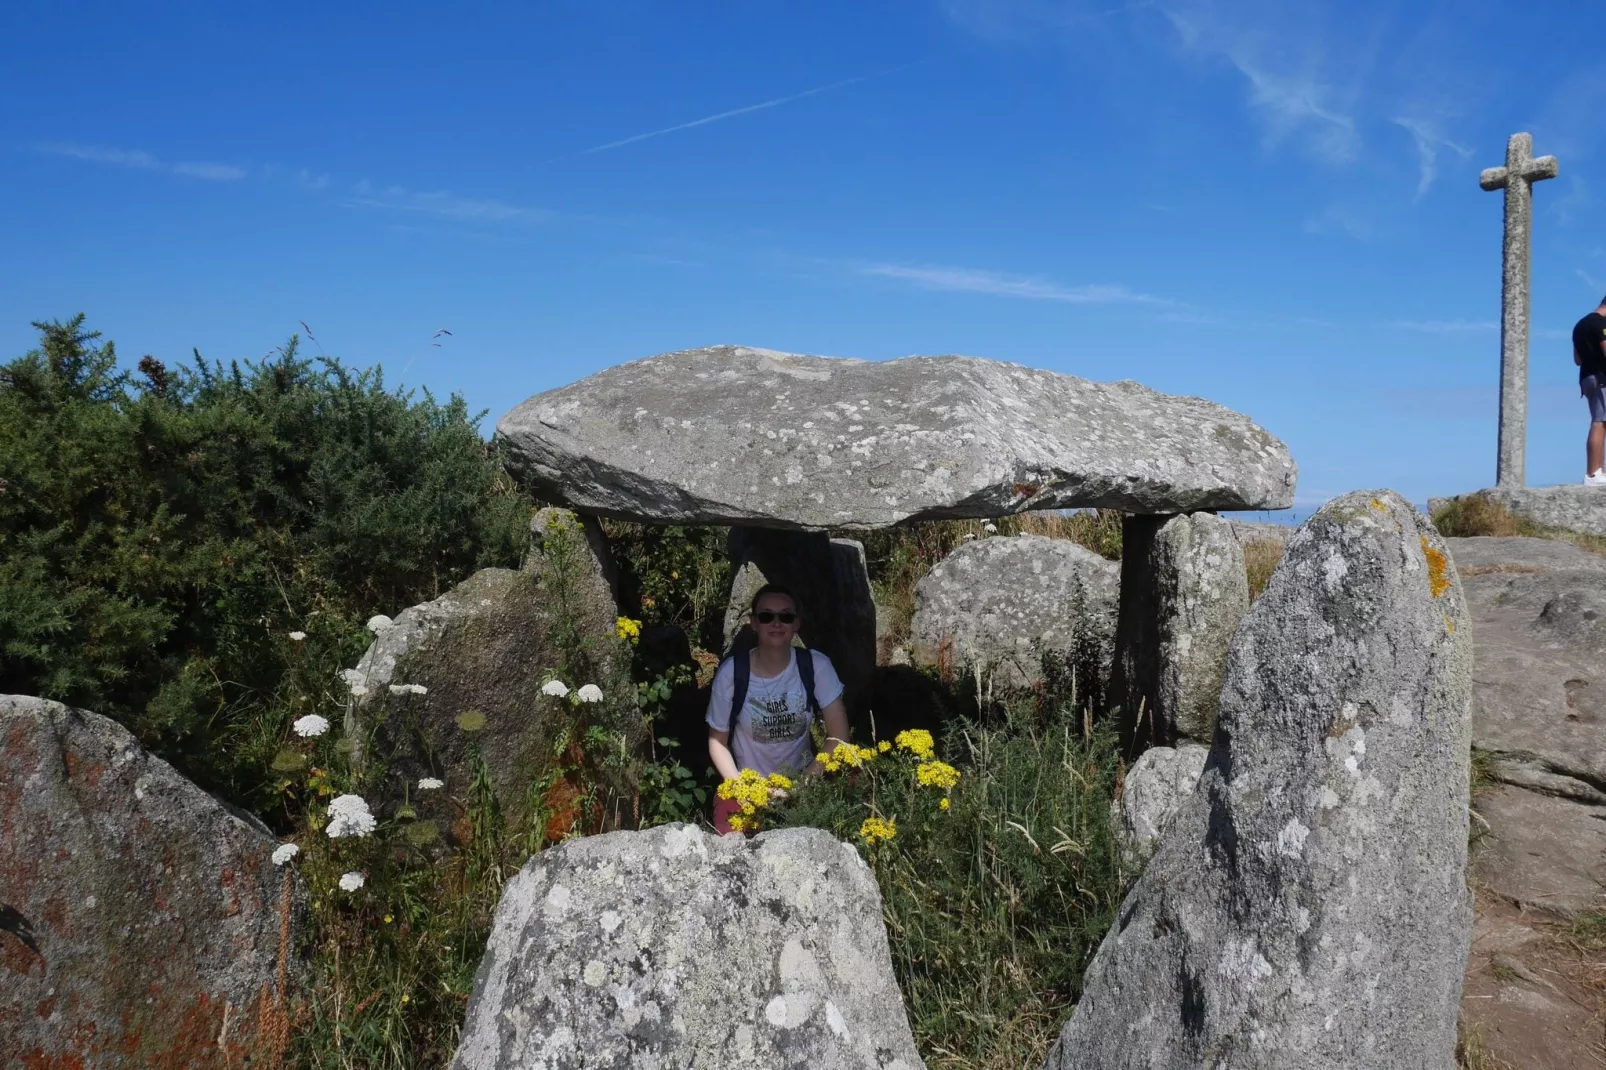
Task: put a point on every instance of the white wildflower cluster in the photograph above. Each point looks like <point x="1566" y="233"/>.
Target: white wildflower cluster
<point x="990" y="528"/>
<point x="349" y="816"/>
<point x="430" y="783"/>
<point x="408" y="689"/>
<point x="310" y="725"/>
<point x="284" y="852"/>
<point x="378" y="623"/>
<point x="555" y="688"/>
<point x="298" y="636"/>
<point x="350" y="882"/>
<point x="589" y="693"/>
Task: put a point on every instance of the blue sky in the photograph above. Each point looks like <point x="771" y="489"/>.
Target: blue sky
<point x="1273" y="205"/>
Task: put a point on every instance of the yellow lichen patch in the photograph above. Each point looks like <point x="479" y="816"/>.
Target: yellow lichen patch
<point x="1449" y="626"/>
<point x="1438" y="569"/>
<point x="1378" y="505"/>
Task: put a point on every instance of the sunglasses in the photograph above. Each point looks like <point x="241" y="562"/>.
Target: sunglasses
<point x="765" y="616"/>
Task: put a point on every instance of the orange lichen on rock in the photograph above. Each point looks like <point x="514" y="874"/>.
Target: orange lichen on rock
<point x="1438" y="568"/>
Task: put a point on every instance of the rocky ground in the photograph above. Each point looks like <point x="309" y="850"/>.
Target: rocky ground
<point x="1535" y="994"/>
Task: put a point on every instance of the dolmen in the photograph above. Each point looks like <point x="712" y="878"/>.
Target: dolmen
<point x="788" y="449"/>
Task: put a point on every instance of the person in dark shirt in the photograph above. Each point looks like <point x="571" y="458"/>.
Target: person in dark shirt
<point x="1589" y="353"/>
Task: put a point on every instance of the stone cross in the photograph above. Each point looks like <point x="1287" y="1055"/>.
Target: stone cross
<point x="1516" y="178"/>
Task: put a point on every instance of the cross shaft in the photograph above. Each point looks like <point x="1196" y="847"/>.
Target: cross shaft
<point x="1517" y="177"/>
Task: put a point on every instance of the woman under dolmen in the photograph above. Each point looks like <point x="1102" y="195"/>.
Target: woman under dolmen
<point x="764" y="701"/>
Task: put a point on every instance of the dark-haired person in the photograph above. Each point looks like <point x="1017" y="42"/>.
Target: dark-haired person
<point x="1589" y="353"/>
<point x="765" y="727"/>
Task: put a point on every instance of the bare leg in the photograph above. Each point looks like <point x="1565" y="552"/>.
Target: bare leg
<point x="1596" y="448"/>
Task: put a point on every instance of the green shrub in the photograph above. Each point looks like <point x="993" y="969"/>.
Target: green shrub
<point x="160" y="535"/>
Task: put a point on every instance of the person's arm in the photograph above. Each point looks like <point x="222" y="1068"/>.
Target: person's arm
<point x="835" y="717"/>
<point x="719" y="752"/>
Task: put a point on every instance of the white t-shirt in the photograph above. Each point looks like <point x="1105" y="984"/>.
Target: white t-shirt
<point x="772" y="730"/>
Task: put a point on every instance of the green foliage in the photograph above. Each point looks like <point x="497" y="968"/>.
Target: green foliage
<point x="676" y="575"/>
<point x="161" y="534"/>
<point x="993" y="906"/>
<point x="1478" y="514"/>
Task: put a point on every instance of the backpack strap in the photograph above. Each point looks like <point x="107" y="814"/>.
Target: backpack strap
<point x="742" y="670"/>
<point x="805" y="672"/>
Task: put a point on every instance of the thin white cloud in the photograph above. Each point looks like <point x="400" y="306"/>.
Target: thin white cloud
<point x="1428" y="142"/>
<point x="444" y="205"/>
<point x="1295" y="103"/>
<point x="1591" y="281"/>
<point x="1445" y="326"/>
<point x="731" y="114"/>
<point x="143" y="161"/>
<point x="998" y="284"/>
<point x="1338" y="219"/>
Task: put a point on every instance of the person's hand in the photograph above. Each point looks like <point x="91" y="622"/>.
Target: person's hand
<point x="778" y="794"/>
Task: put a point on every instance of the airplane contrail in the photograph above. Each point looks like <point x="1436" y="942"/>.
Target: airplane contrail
<point x="705" y="120"/>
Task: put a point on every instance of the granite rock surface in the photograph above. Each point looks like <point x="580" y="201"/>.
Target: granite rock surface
<point x="465" y="671"/>
<point x="1573" y="507"/>
<point x="142" y="921"/>
<point x="735" y="435"/>
<point x="999" y="603"/>
<point x="1155" y="788"/>
<point x="675" y="948"/>
<point x="1308" y="907"/>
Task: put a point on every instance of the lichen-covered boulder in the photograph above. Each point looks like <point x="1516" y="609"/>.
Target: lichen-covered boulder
<point x="1183" y="592"/>
<point x="735" y="435"/>
<point x="1308" y="905"/>
<point x="1000" y="603"/>
<point x="142" y="922"/>
<point x="461" y="676"/>
<point x="675" y="948"/>
<point x="1154" y="789"/>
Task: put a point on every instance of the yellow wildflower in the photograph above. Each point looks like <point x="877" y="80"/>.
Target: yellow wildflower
<point x="883" y="746"/>
<point x="937" y="775"/>
<point x="917" y="741"/>
<point x="848" y="754"/>
<point x="739" y="825"/>
<point x="749" y="789"/>
<point x="625" y="628"/>
<point x="878" y="828"/>
<point x="944" y="804"/>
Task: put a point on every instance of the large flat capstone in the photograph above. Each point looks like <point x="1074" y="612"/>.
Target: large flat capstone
<point x="1307" y="906"/>
<point x="734" y="435"/>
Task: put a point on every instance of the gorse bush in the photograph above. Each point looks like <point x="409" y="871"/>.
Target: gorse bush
<point x="161" y="533"/>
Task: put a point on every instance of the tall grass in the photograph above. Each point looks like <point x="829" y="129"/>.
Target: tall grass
<point x="993" y="906"/>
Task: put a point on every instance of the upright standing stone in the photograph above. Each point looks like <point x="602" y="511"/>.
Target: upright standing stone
<point x="830" y="578"/>
<point x="1308" y="906"/>
<point x="1517" y="177"/>
<point x="675" y="948"/>
<point x="1183" y="592"/>
<point x="142" y="922"/>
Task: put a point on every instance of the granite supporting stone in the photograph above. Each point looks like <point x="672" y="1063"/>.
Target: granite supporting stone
<point x="831" y="580"/>
<point x="1517" y="177"/>
<point x="1183" y="593"/>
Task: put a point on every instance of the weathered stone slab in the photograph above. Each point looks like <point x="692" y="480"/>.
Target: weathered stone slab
<point x="1488" y="553"/>
<point x="1572" y="507"/>
<point x="1539" y="695"/>
<point x="677" y="948"/>
<point x="999" y="603"/>
<point x="1542" y="852"/>
<point x="832" y="581"/>
<point x="142" y="922"/>
<point x="1307" y="907"/>
<point x="734" y="435"/>
<point x="486" y="647"/>
<point x="1183" y="592"/>
<point x="1155" y="788"/>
